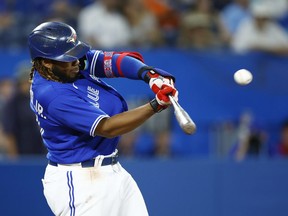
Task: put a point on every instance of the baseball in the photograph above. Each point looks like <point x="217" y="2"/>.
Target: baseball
<point x="243" y="77"/>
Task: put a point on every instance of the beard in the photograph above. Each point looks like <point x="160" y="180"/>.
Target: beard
<point x="64" y="77"/>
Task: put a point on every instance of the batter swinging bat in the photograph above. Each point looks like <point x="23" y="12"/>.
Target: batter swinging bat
<point x="183" y="118"/>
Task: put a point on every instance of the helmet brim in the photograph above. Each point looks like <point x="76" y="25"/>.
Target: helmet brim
<point x="75" y="53"/>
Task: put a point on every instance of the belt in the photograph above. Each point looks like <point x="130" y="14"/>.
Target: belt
<point x="90" y="163"/>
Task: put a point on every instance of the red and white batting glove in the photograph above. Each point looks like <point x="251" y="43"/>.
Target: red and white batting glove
<point x="157" y="81"/>
<point x="162" y="96"/>
<point x="161" y="100"/>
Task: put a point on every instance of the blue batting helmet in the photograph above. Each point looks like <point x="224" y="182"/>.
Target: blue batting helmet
<point x="57" y="41"/>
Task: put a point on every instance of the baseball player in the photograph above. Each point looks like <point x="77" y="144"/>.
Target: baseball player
<point x="81" y="118"/>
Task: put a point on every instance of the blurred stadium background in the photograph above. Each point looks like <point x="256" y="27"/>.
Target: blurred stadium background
<point x="236" y="163"/>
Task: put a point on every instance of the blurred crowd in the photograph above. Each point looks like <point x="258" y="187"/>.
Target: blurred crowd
<point x="189" y="24"/>
<point x="19" y="132"/>
<point x="238" y="25"/>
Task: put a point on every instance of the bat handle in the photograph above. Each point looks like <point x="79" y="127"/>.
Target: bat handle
<point x="174" y="103"/>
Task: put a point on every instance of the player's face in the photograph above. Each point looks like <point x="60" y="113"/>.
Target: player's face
<point x="66" y="71"/>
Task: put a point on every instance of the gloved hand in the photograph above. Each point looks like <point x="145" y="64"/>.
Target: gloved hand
<point x="162" y="96"/>
<point x="161" y="100"/>
<point x="156" y="81"/>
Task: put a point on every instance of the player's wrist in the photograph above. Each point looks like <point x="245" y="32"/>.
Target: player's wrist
<point x="143" y="73"/>
<point x="147" y="72"/>
<point x="156" y="106"/>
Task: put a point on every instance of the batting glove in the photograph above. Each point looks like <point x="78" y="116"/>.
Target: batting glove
<point x="157" y="81"/>
<point x="162" y="96"/>
<point x="161" y="100"/>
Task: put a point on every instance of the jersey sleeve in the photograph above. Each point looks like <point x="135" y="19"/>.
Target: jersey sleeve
<point x="76" y="113"/>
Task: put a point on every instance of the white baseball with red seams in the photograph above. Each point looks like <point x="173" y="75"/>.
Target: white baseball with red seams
<point x="243" y="77"/>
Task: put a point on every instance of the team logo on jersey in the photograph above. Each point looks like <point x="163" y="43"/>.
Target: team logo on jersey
<point x="93" y="95"/>
<point x="72" y="38"/>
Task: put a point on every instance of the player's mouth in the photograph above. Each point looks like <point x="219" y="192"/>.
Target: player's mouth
<point x="76" y="70"/>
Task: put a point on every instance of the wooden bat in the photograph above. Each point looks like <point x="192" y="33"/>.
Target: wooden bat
<point x="183" y="118"/>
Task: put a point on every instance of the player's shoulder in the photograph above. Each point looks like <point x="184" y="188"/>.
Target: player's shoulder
<point x="41" y="83"/>
<point x="45" y="91"/>
<point x="92" y="57"/>
<point x="94" y="54"/>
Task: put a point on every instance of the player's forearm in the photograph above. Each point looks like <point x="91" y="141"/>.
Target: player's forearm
<point x="115" y="64"/>
<point x="133" y="68"/>
<point x="128" y="64"/>
<point x="124" y="122"/>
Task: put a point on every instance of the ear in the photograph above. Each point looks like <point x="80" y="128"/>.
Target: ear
<point x="47" y="63"/>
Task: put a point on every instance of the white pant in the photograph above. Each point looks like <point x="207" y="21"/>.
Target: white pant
<point x="98" y="191"/>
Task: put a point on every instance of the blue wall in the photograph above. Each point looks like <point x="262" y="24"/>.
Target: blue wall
<point x="170" y="187"/>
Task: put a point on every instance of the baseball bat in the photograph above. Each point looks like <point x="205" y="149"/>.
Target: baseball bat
<point x="183" y="118"/>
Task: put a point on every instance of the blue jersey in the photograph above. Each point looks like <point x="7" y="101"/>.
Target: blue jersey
<point x="68" y="113"/>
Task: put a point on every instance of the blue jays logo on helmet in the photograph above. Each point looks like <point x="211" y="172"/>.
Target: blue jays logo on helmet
<point x="72" y="38"/>
<point x="57" y="41"/>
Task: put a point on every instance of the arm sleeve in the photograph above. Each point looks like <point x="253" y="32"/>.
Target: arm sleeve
<point x="75" y="113"/>
<point x="114" y="64"/>
<point x="119" y="64"/>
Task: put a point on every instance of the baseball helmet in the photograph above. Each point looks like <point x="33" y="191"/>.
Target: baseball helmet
<point x="57" y="41"/>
